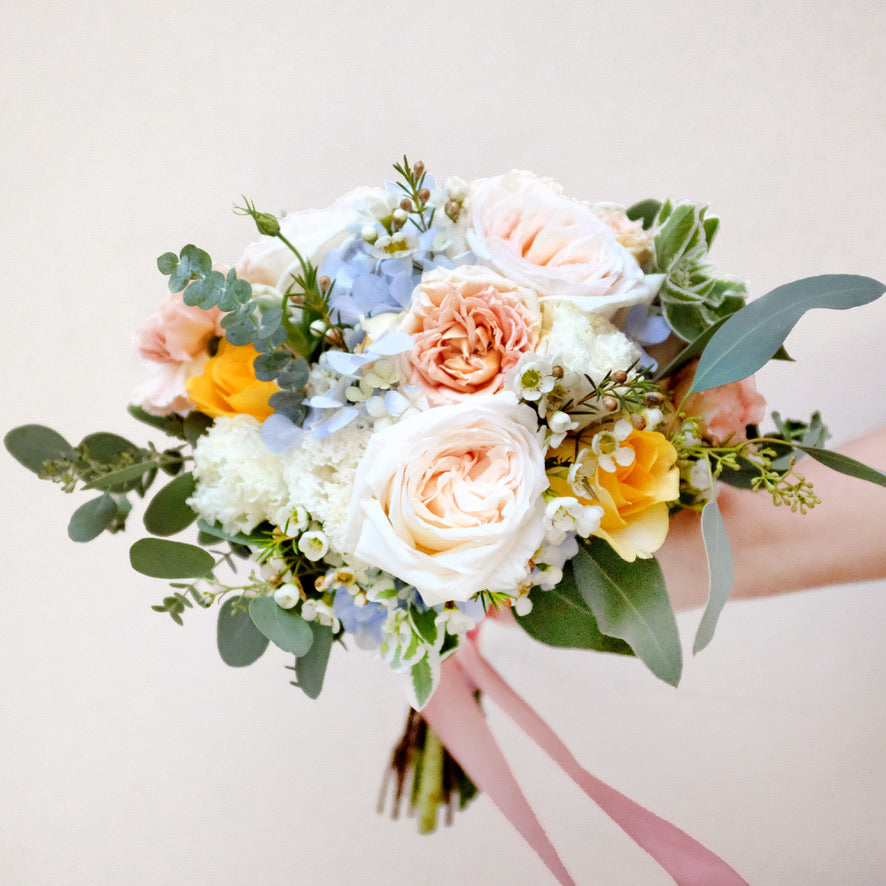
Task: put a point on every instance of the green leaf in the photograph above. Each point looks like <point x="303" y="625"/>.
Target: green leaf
<point x="32" y="445"/>
<point x="92" y="518"/>
<point x="240" y="538"/>
<point x="196" y="424"/>
<point x="721" y="572"/>
<point x="750" y="337"/>
<point x="122" y="479"/>
<point x="105" y="447"/>
<point x="240" y="643"/>
<point x="283" y="627"/>
<point x="675" y="236"/>
<point x="167" y="263"/>
<point x="171" y="425"/>
<point x="645" y="210"/>
<point x="693" y="349"/>
<point x="424" y="624"/>
<point x="630" y="601"/>
<point x="560" y="617"/>
<point x="168" y="512"/>
<point x="310" y="669"/>
<point x="845" y="465"/>
<point x="422" y="682"/>
<point x="160" y="558"/>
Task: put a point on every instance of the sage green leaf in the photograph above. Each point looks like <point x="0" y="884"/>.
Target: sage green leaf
<point x="92" y="518"/>
<point x="751" y="336"/>
<point x="168" y="512"/>
<point x="560" y="617"/>
<point x="423" y="683"/>
<point x="283" y="627"/>
<point x="123" y="478"/>
<point x="310" y="669"/>
<point x="692" y="349"/>
<point x="105" y="447"/>
<point x="32" y="445"/>
<point x="630" y="601"/>
<point x="240" y="643"/>
<point x="171" y="425"/>
<point x="845" y="465"/>
<point x="161" y="558"/>
<point x="721" y="572"/>
<point x="239" y="538"/>
<point x="196" y="424"/>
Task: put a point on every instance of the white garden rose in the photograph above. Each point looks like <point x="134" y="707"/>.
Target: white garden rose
<point x="313" y="233"/>
<point x="527" y="230"/>
<point x="450" y="500"/>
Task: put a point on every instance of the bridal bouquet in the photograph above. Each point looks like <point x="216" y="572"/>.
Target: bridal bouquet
<point x="436" y="402"/>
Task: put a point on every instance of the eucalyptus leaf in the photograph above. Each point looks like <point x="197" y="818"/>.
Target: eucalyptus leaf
<point x="92" y="518"/>
<point x="124" y="478"/>
<point x="836" y="461"/>
<point x="310" y="668"/>
<point x="751" y="336"/>
<point x="105" y="447"/>
<point x="721" y="572"/>
<point x="630" y="601"/>
<point x="560" y="617"/>
<point x="161" y="558"/>
<point x="283" y="627"/>
<point x="171" y="425"/>
<point x="33" y="445"/>
<point x="168" y="511"/>
<point x="240" y="643"/>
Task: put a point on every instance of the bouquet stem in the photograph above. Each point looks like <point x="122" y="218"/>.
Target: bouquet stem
<point x="422" y="768"/>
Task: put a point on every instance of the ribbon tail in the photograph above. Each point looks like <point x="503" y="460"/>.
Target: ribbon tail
<point x="684" y="858"/>
<point x="454" y="714"/>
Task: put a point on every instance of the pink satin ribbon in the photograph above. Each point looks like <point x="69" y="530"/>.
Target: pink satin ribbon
<point x="453" y="713"/>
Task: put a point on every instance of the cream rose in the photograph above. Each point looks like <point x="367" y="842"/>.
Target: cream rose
<point x="270" y="261"/>
<point x="470" y="326"/>
<point x="450" y="500"/>
<point x="527" y="230"/>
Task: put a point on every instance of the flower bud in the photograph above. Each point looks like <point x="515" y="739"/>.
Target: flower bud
<point x="418" y="169"/>
<point x="286" y="596"/>
<point x="324" y="283"/>
<point x="619" y="376"/>
<point x="266" y="223"/>
<point x="638" y="421"/>
<point x="653" y="398"/>
<point x="406" y="205"/>
<point x="610" y="404"/>
<point x="369" y="233"/>
<point x="424" y="195"/>
<point x="452" y="210"/>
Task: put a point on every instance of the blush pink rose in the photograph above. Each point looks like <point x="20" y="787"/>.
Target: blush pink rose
<point x="527" y="230"/>
<point x="470" y="326"/>
<point x="174" y="345"/>
<point x="725" y="411"/>
<point x="450" y="500"/>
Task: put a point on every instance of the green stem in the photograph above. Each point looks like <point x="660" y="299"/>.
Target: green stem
<point x="430" y="782"/>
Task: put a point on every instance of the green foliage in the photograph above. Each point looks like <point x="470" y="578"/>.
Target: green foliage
<point x="283" y="627"/>
<point x="35" y="445"/>
<point x="560" y="617"/>
<point x="161" y="558"/>
<point x="240" y="643"/>
<point x="693" y="297"/>
<point x="310" y="668"/>
<point x="171" y="425"/>
<point x="721" y="572"/>
<point x="630" y="601"/>
<point x="752" y="336"/>
<point x="836" y="461"/>
<point x="168" y="512"/>
<point x="646" y="211"/>
<point x="423" y="682"/>
<point x="92" y="518"/>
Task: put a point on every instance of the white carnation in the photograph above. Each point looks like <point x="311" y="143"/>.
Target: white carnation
<point x="586" y="343"/>
<point x="319" y="476"/>
<point x="240" y="482"/>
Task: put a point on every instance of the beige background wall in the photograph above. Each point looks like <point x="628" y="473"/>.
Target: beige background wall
<point x="129" y="754"/>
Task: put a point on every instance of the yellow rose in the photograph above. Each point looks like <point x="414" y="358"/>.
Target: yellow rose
<point x="228" y="385"/>
<point x="633" y="496"/>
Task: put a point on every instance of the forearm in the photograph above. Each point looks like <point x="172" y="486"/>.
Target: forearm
<point x="841" y="540"/>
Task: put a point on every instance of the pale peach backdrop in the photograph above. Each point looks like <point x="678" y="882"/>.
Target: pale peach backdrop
<point x="129" y="754"/>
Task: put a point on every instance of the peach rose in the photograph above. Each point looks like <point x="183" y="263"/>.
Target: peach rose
<point x="725" y="411"/>
<point x="527" y="230"/>
<point x="633" y="493"/>
<point x="450" y="500"/>
<point x="228" y="385"/>
<point x="174" y="345"/>
<point x="470" y="326"/>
